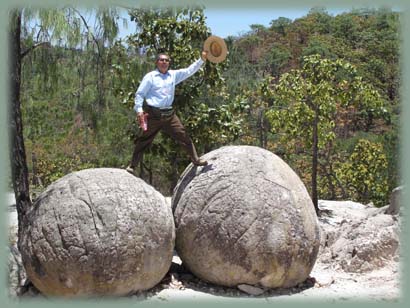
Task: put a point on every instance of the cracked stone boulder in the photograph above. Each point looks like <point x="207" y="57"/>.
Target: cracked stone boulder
<point x="246" y="218"/>
<point x="98" y="232"/>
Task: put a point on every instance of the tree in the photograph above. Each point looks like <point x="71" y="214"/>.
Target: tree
<point x="56" y="24"/>
<point x="280" y="25"/>
<point x="277" y="59"/>
<point x="19" y="170"/>
<point x="98" y="40"/>
<point x="306" y="103"/>
<point x="317" y="45"/>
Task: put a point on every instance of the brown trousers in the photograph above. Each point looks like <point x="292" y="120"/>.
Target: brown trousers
<point x="170" y="125"/>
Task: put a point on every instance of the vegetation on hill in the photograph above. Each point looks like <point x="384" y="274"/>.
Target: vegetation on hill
<point x="333" y="77"/>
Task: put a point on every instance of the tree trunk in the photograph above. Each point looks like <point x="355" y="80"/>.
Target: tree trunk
<point x="36" y="180"/>
<point x="100" y="83"/>
<point x="18" y="152"/>
<point x="315" y="161"/>
<point x="262" y="129"/>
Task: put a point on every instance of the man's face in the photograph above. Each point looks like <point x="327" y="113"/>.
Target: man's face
<point x="163" y="63"/>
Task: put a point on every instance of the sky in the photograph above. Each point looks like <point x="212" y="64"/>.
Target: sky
<point x="234" y="22"/>
<point x="224" y="23"/>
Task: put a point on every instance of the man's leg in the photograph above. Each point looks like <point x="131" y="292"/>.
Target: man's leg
<point x="174" y="128"/>
<point x="144" y="141"/>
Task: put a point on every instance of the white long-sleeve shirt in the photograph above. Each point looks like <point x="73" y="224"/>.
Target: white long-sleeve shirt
<point x="159" y="89"/>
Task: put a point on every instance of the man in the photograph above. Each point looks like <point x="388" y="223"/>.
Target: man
<point x="158" y="88"/>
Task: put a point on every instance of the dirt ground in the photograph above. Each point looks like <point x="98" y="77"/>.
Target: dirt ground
<point x="324" y="285"/>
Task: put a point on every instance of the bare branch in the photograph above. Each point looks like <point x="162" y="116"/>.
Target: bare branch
<point x="88" y="29"/>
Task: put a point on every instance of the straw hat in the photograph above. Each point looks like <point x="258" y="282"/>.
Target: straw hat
<point x="216" y="48"/>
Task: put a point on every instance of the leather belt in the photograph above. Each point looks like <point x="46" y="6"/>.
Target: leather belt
<point x="160" y="112"/>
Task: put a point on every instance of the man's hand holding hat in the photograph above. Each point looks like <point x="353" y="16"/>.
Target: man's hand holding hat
<point x="204" y="55"/>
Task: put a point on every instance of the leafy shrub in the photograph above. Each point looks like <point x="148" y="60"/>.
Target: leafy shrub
<point x="365" y="173"/>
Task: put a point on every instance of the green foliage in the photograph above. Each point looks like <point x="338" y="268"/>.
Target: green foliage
<point x="65" y="126"/>
<point x="318" y="45"/>
<point x="277" y="83"/>
<point x="365" y="173"/>
<point x="217" y="125"/>
<point x="178" y="31"/>
<point x="277" y="59"/>
<point x="319" y="88"/>
<point x="127" y="70"/>
<point x="306" y="103"/>
<point x="280" y="25"/>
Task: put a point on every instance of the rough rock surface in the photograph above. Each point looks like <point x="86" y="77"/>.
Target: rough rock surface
<point x="331" y="282"/>
<point x="395" y="201"/>
<point x="246" y="218"/>
<point x="98" y="232"/>
<point x="358" y="238"/>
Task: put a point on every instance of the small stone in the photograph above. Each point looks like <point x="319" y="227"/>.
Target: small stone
<point x="250" y="289"/>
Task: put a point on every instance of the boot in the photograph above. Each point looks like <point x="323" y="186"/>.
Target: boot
<point x="130" y="169"/>
<point x="199" y="162"/>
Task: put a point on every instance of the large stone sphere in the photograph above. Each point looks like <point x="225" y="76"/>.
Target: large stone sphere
<point x="246" y="218"/>
<point x="98" y="232"/>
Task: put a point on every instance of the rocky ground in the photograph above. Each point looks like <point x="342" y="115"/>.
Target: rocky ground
<point x="358" y="261"/>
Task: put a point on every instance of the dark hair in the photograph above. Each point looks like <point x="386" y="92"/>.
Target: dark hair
<point x="162" y="54"/>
